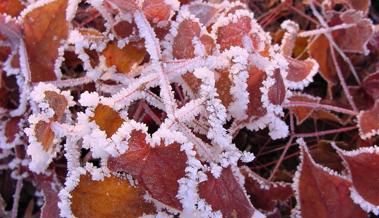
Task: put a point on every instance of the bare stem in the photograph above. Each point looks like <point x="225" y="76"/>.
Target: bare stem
<point x="319" y="106"/>
<point x="326" y="132"/>
<point x="281" y="158"/>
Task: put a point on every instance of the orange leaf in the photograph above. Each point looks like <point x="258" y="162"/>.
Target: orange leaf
<point x="113" y="197"/>
<point x="126" y="58"/>
<point x="254" y="82"/>
<point x="107" y="119"/>
<point x="11" y="7"/>
<point x="44" y="28"/>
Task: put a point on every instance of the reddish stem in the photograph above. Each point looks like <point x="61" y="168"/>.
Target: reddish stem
<point x="319" y="106"/>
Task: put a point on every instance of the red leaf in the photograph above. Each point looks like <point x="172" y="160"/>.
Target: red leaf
<point x="300" y="73"/>
<point x="368" y="122"/>
<point x="371" y="85"/>
<point x="156" y="10"/>
<point x="157" y="169"/>
<point x="265" y="194"/>
<point x="322" y="193"/>
<point x="354" y="39"/>
<point x="254" y="82"/>
<point x="44" y="28"/>
<point x="50" y="192"/>
<point x="12" y="128"/>
<point x="182" y="46"/>
<point x="363" y="167"/>
<point x="277" y="92"/>
<point x="226" y="194"/>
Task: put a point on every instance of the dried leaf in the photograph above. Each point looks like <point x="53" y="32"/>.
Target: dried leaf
<point x="44" y="134"/>
<point x="10" y="30"/>
<point x="277" y="92"/>
<point x="11" y="7"/>
<point x="107" y="119"/>
<point x="363" y="167"/>
<point x="264" y="194"/>
<point x="12" y="128"/>
<point x="157" y="169"/>
<point x="156" y="10"/>
<point x="57" y="102"/>
<point x="226" y="194"/>
<point x="182" y="46"/>
<point x="111" y="197"/>
<point x="368" y="122"/>
<point x="254" y="82"/>
<point x="44" y="28"/>
<point x="322" y="193"/>
<point x="126" y="58"/>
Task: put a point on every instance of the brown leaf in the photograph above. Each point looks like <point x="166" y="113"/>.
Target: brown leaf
<point x="126" y="58"/>
<point x="107" y="119"/>
<point x="368" y="122"/>
<point x="44" y="134"/>
<point x="12" y="128"/>
<point x="44" y="28"/>
<point x="156" y="10"/>
<point x="112" y="198"/>
<point x="325" y="154"/>
<point x="57" y="102"/>
<point x="322" y="193"/>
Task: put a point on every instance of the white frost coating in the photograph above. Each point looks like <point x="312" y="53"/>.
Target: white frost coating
<point x="34" y="6"/>
<point x="89" y="99"/>
<point x="146" y="32"/>
<point x="278" y="128"/>
<point x="188" y="112"/>
<point x="175" y="4"/>
<point x="217" y="112"/>
<point x="239" y="75"/>
<point x="72" y="7"/>
<point x="365" y="205"/>
<point x="199" y="47"/>
<point x="289" y="38"/>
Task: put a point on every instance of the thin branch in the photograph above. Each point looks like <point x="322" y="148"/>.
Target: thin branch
<point x="16" y="198"/>
<point x="325" y="107"/>
<point x="326" y="132"/>
<point x="281" y="158"/>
